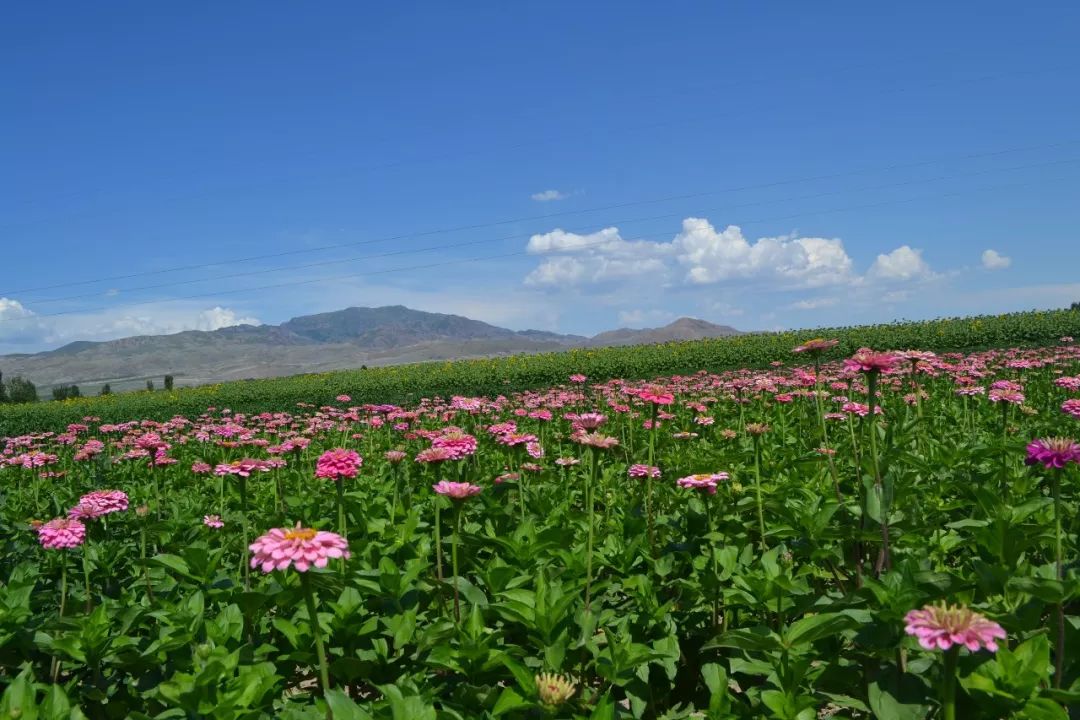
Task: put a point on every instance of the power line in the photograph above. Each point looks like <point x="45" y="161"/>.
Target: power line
<point x="549" y="216"/>
<point x="519" y="253"/>
<point x="646" y="126"/>
<point x="469" y="243"/>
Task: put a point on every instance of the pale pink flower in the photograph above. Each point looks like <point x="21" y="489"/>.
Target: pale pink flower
<point x="868" y="361"/>
<point x="654" y="394"/>
<point x="702" y="481"/>
<point x="200" y="468"/>
<point x="213" y="521"/>
<point x="590" y="420"/>
<point x="815" y="346"/>
<point x="98" y="503"/>
<point x="456" y="490"/>
<point x="299" y="547"/>
<point x="343" y="398"/>
<point x="1071" y="407"/>
<point x="578" y="378"/>
<point x="939" y="627"/>
<point x="61" y="533"/>
<point x="394" y="456"/>
<point x="458" y="443"/>
<point x="640" y="471"/>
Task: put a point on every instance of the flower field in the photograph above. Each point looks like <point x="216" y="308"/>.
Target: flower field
<point x="845" y="533"/>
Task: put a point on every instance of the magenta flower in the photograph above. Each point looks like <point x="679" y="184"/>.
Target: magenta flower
<point x="868" y="361"/>
<point x="655" y="394"/>
<point x="459" y="444"/>
<point x="338" y="463"/>
<point x="1055" y="452"/>
<point x="815" y="346"/>
<point x="98" y="503"/>
<point x="61" y="533"/>
<point x="1071" y="407"/>
<point x="456" y="490"/>
<point x="213" y="521"/>
<point x="939" y="627"/>
<point x="702" y="481"/>
<point x="299" y="547"/>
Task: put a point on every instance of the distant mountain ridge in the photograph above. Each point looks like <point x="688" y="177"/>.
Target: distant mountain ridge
<point x="335" y="340"/>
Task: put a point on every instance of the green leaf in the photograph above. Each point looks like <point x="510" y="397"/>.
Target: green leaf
<point x="343" y="708"/>
<point x="604" y="710"/>
<point x="898" y="697"/>
<point x="19" y="701"/>
<point x="1043" y="709"/>
<point x="758" y="638"/>
<point x="814" y="627"/>
<point x="508" y="700"/>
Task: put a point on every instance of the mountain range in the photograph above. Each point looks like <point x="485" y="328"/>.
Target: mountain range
<point x="348" y="338"/>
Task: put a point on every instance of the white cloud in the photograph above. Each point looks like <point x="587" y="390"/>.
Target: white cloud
<point x="714" y="256"/>
<point x="597" y="257"/>
<point x="993" y="260"/>
<point x="645" y="318"/>
<point x="813" y="303"/>
<point x="903" y="263"/>
<point x="21" y="330"/>
<point x="549" y="195"/>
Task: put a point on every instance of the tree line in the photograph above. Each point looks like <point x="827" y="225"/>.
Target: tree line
<point x="19" y="390"/>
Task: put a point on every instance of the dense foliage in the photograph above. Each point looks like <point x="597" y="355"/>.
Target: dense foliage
<point x="768" y="567"/>
<point x="409" y="383"/>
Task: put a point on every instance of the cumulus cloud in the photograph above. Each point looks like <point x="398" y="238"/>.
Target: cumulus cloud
<point x="597" y="257"/>
<point x="21" y="330"/>
<point x="549" y="195"/>
<point x="813" y="303"/>
<point x="993" y="260"/>
<point x="903" y="263"/>
<point x="644" y="318"/>
<point x="713" y="256"/>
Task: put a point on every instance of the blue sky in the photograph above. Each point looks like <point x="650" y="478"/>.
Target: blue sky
<point x="564" y="166"/>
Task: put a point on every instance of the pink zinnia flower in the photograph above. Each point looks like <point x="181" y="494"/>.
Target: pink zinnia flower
<point x="1071" y="407"/>
<point x="213" y="521"/>
<point x="567" y="461"/>
<point x="939" y="627"/>
<point x="394" y="456"/>
<point x="61" y="533"/>
<point x="343" y="398"/>
<point x="338" y="463"/>
<point x="867" y="361"/>
<point x="702" y="481"/>
<point x="590" y="420"/>
<point x="459" y="443"/>
<point x="815" y="346"/>
<point x="1014" y="397"/>
<point x="435" y="455"/>
<point x="1055" y="452"/>
<point x="299" y="546"/>
<point x="578" y="378"/>
<point x="640" y="471"/>
<point x="596" y="440"/>
<point x="655" y="395"/>
<point x="98" y="503"/>
<point x="456" y="490"/>
<point x="200" y="468"/>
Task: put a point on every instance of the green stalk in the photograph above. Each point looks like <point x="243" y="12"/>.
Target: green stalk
<point x="438" y="549"/>
<point x="63" y="600"/>
<point x="589" y="512"/>
<point x="757" y="488"/>
<point x="339" y="484"/>
<point x="885" y="561"/>
<point x="86" y="576"/>
<point x="244" y="551"/>
<point x="1059" y="650"/>
<point x="948" y="685"/>
<point x="715" y="569"/>
<point x="648" y="482"/>
<point x="824" y="430"/>
<point x="320" y="651"/>
<point x="454" y="558"/>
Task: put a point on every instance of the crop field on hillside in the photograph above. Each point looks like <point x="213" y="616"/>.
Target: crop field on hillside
<point x="842" y="533"/>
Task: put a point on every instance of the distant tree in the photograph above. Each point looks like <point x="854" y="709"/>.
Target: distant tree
<point x="1075" y="307"/>
<point x="150" y="385"/>
<point x="363" y="367"/>
<point x="3" y="389"/>
<point x="21" y="391"/>
<point x="106" y="389"/>
<point x="64" y="392"/>
<point x="168" y="382"/>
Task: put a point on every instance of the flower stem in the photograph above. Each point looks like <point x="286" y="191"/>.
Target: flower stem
<point x="244" y="532"/>
<point x="948" y="685"/>
<point x="454" y="560"/>
<point x="589" y="513"/>
<point x="884" y="560"/>
<point x="648" y="483"/>
<point x="86" y="576"/>
<point x="438" y="550"/>
<point x="63" y="601"/>
<point x="320" y="651"/>
<point x="757" y="488"/>
<point x="1059" y="650"/>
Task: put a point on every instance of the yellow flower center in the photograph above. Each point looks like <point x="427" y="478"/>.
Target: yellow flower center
<point x="303" y="534"/>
